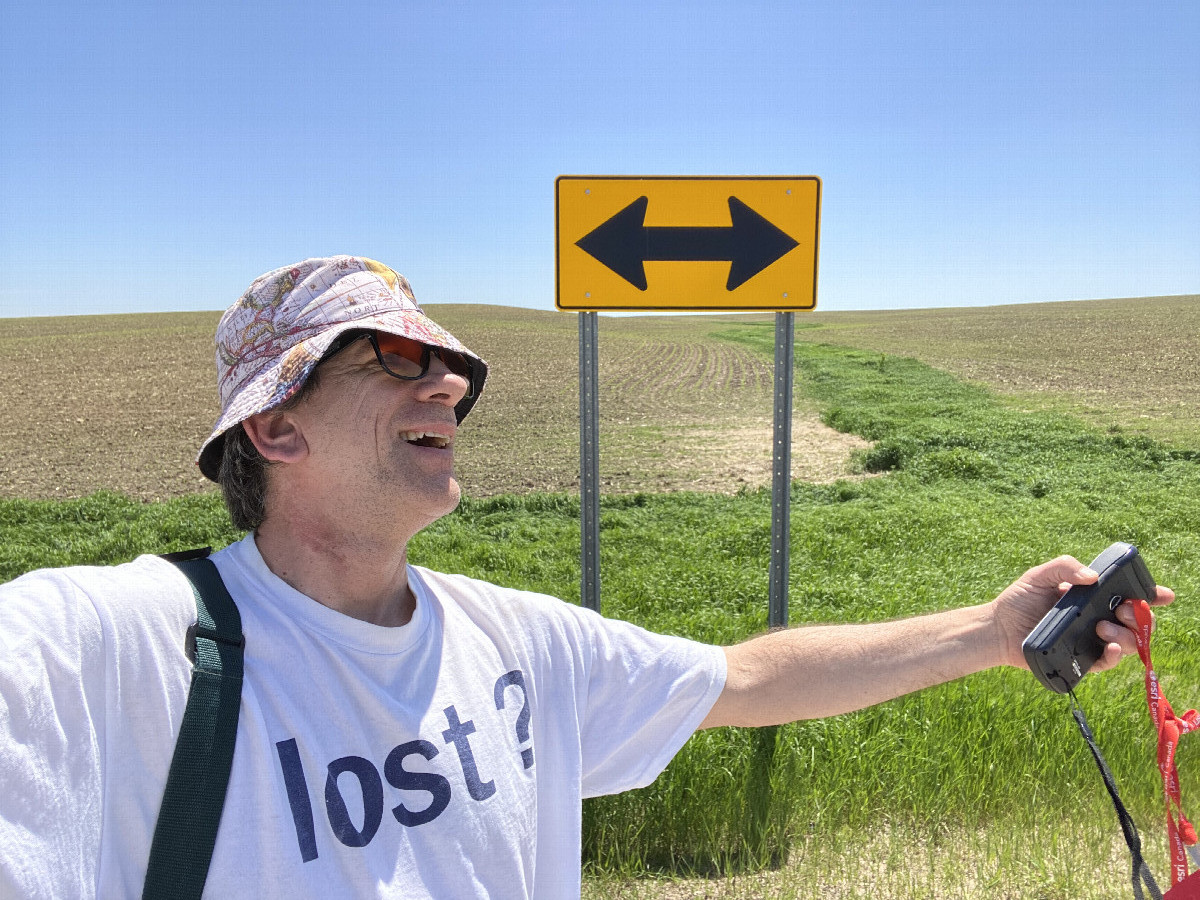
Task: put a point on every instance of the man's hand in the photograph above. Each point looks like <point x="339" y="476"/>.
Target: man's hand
<point x="825" y="670"/>
<point x="1024" y="602"/>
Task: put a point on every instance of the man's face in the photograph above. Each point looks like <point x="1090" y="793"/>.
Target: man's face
<point x="384" y="446"/>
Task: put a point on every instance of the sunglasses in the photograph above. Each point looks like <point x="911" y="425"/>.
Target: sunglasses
<point x="405" y="358"/>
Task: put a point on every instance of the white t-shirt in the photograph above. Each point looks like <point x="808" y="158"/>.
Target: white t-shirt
<point x="444" y="758"/>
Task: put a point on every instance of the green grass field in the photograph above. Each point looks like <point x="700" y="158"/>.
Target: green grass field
<point x="980" y="788"/>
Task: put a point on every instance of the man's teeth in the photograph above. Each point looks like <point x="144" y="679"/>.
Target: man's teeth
<point x="425" y="439"/>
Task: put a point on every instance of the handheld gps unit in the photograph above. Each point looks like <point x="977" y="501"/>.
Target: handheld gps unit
<point x="1064" y="645"/>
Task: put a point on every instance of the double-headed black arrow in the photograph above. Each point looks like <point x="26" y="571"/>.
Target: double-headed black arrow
<point x="624" y="243"/>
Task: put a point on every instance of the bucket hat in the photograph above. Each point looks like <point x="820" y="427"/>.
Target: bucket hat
<point x="270" y="340"/>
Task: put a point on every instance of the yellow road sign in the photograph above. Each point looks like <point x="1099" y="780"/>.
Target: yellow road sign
<point x="699" y="243"/>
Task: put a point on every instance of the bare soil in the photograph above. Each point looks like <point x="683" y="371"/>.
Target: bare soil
<point x="1132" y="364"/>
<point x="124" y="402"/>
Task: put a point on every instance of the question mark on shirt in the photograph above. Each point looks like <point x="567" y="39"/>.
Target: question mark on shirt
<point x="517" y="678"/>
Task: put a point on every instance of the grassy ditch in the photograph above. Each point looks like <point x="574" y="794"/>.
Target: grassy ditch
<point x="971" y="492"/>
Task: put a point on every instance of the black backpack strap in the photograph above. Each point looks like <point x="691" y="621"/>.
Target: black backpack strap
<point x="186" y="830"/>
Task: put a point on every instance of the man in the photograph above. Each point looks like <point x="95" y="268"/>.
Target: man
<point x="403" y="733"/>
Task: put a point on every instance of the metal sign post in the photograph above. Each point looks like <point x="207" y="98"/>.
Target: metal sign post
<point x="781" y="472"/>
<point x="589" y="460"/>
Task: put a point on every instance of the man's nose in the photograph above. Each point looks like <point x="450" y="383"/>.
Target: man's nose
<point x="441" y="384"/>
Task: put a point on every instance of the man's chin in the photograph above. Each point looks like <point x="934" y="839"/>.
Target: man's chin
<point x="448" y="500"/>
<point x="455" y="497"/>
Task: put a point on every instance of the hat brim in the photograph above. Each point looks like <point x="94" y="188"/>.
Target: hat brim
<point x="279" y="382"/>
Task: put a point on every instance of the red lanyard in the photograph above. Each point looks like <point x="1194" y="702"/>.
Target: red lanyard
<point x="1170" y="728"/>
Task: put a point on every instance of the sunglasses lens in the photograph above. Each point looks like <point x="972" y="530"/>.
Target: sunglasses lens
<point x="400" y="355"/>
<point x="410" y="359"/>
<point x="456" y="363"/>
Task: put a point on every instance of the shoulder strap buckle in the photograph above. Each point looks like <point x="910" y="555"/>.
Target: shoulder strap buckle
<point x="196" y="630"/>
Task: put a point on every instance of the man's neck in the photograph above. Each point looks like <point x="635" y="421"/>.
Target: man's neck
<point x="358" y="575"/>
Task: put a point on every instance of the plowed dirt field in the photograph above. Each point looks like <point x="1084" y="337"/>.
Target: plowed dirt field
<point x="123" y="403"/>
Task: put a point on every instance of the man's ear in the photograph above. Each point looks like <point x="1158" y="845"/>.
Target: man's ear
<point x="277" y="436"/>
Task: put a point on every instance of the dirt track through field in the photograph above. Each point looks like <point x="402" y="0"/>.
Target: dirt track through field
<point x="123" y="402"/>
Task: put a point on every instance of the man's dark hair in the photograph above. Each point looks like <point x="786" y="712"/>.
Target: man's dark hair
<point x="243" y="470"/>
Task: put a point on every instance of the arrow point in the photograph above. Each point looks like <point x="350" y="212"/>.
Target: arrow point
<point x="756" y="244"/>
<point x="620" y="243"/>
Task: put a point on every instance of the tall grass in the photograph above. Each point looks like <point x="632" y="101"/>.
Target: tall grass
<point x="969" y="492"/>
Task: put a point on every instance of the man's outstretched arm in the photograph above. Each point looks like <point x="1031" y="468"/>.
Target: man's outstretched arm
<point x="823" y="670"/>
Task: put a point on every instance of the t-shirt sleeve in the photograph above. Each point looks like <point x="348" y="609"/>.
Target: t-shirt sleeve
<point x="646" y="694"/>
<point x="52" y="679"/>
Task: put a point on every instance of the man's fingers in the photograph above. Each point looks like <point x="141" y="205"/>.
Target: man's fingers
<point x="1065" y="571"/>
<point x="1114" y="634"/>
<point x="1163" y="596"/>
<point x="1059" y="571"/>
<point x="1113" y="653"/>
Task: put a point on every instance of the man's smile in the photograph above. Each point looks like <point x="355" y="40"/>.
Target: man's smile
<point x="433" y="439"/>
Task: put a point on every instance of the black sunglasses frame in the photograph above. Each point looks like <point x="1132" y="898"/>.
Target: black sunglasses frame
<point x="427" y="351"/>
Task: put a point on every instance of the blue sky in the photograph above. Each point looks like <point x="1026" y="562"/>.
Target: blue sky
<point x="160" y="156"/>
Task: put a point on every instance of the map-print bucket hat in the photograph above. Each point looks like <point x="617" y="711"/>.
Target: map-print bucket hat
<point x="269" y="341"/>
